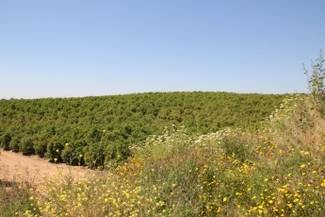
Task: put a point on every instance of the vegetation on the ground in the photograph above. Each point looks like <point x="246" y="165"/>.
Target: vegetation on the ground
<point x="316" y="77"/>
<point x="275" y="171"/>
<point x="16" y="199"/>
<point x="98" y="131"/>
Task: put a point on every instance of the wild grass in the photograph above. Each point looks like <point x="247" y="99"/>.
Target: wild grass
<point x="16" y="199"/>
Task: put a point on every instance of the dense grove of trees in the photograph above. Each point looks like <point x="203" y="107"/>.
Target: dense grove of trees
<point x="98" y="131"/>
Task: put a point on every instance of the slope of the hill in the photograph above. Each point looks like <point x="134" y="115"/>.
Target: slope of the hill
<point x="99" y="130"/>
<point x="277" y="170"/>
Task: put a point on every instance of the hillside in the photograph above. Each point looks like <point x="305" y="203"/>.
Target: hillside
<point x="277" y="170"/>
<point x="98" y="131"/>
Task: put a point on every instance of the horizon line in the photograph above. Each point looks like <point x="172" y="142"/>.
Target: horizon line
<point x="154" y="92"/>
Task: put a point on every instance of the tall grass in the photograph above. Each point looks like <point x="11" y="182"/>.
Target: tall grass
<point x="16" y="199"/>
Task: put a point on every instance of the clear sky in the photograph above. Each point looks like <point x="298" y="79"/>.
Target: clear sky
<point x="61" y="48"/>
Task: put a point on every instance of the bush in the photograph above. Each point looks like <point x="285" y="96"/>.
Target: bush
<point x="27" y="147"/>
<point x="95" y="155"/>
<point x="72" y="154"/>
<point x="53" y="152"/>
<point x="15" y="144"/>
<point x="116" y="153"/>
<point x="238" y="146"/>
<point x="5" y="141"/>
<point x="40" y="148"/>
<point x="316" y="81"/>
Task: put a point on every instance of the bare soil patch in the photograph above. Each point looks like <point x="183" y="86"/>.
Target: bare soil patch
<point x="17" y="167"/>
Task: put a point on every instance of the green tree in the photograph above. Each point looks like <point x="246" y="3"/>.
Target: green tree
<point x="316" y="79"/>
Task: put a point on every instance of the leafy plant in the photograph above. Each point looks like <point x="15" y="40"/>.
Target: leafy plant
<point x="27" y="147"/>
<point x="316" y="80"/>
<point x="5" y="141"/>
<point x="54" y="150"/>
<point x="15" y="144"/>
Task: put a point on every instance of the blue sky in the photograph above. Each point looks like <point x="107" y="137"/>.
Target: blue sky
<point x="64" y="48"/>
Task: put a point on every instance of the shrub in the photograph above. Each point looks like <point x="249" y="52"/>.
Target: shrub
<point x="53" y="152"/>
<point x="27" y="147"/>
<point x="116" y="153"/>
<point x="40" y="148"/>
<point x="5" y="141"/>
<point x="239" y="146"/>
<point x="316" y="80"/>
<point x="94" y="155"/>
<point x="72" y="154"/>
<point x="15" y="144"/>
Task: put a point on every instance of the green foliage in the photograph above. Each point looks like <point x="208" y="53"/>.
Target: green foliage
<point x="316" y="80"/>
<point x="40" y="147"/>
<point x="54" y="150"/>
<point x="73" y="153"/>
<point x="116" y="154"/>
<point x="238" y="146"/>
<point x="95" y="155"/>
<point x="27" y="146"/>
<point x="104" y="129"/>
<point x="14" y="144"/>
<point x="5" y="141"/>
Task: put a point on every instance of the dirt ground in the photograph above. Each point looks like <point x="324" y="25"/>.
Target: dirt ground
<point x="16" y="167"/>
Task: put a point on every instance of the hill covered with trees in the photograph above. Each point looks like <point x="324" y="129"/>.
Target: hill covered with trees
<point x="98" y="131"/>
